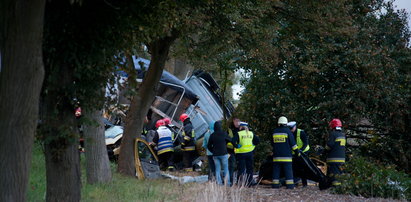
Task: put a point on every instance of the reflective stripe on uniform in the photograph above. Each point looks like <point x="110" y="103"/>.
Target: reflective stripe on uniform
<point x="189" y="148"/>
<point x="280" y="137"/>
<point x="294" y="147"/>
<point x="282" y="159"/>
<point x="336" y="183"/>
<point x="289" y="182"/>
<point x="336" y="160"/>
<point x="276" y="181"/>
<point x="161" y="151"/>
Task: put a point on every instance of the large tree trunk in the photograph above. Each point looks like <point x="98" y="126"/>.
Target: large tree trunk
<point x="21" y="77"/>
<point x="140" y="103"/>
<point x="97" y="163"/>
<point x="61" y="139"/>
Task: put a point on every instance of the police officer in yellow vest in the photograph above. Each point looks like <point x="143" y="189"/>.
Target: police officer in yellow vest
<point x="244" y="144"/>
<point x="301" y="138"/>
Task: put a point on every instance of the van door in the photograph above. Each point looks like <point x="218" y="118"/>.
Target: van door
<point x="146" y="161"/>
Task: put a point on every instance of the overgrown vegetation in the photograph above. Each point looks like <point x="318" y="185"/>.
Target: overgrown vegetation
<point x="346" y="59"/>
<point x="120" y="189"/>
<point x="366" y="178"/>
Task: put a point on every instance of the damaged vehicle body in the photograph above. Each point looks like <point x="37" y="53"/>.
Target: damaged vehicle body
<point x="197" y="96"/>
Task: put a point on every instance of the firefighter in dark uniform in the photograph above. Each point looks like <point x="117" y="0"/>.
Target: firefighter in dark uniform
<point x="283" y="143"/>
<point x="336" y="151"/>
<point x="164" y="141"/>
<point x="301" y="138"/>
<point x="188" y="144"/>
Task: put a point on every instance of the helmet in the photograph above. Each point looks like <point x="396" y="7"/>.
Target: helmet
<point x="291" y="124"/>
<point x="167" y="121"/>
<point x="183" y="117"/>
<point x="160" y="123"/>
<point x="335" y="123"/>
<point x="282" y="120"/>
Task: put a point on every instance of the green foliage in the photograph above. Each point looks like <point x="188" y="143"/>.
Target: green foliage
<point x="345" y="59"/>
<point x="368" y="179"/>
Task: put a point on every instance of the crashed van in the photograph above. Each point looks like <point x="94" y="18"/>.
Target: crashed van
<point x="196" y="95"/>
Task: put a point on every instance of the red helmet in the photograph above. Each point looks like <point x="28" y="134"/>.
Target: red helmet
<point x="160" y="123"/>
<point x="167" y="121"/>
<point x="183" y="117"/>
<point x="335" y="123"/>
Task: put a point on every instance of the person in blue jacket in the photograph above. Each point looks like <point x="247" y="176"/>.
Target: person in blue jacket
<point x="283" y="143"/>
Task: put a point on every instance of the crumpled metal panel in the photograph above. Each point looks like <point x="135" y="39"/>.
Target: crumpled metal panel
<point x="207" y="103"/>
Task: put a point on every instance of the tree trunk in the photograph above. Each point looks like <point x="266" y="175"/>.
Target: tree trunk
<point x="97" y="163"/>
<point x="141" y="102"/>
<point x="61" y="139"/>
<point x="21" y="77"/>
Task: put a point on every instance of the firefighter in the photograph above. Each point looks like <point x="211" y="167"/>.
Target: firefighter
<point x="244" y="142"/>
<point x="163" y="140"/>
<point x="232" y="130"/>
<point x="188" y="144"/>
<point x="283" y="143"/>
<point x="336" y="150"/>
<point x="301" y="138"/>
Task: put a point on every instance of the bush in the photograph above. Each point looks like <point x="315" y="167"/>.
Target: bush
<point x="369" y="179"/>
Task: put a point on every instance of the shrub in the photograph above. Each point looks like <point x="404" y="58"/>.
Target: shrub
<point x="366" y="178"/>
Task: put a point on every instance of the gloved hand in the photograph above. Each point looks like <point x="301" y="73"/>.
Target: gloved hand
<point x="297" y="153"/>
<point x="239" y="145"/>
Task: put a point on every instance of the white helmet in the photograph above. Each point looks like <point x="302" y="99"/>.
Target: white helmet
<point x="282" y="120"/>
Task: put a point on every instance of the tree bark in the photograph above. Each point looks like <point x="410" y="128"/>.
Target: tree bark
<point x="141" y="102"/>
<point x="21" y="78"/>
<point x="97" y="163"/>
<point x="61" y="138"/>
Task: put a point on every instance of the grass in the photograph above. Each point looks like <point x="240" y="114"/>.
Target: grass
<point x="120" y="189"/>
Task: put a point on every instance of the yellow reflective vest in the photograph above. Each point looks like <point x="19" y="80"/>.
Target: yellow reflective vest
<point x="246" y="142"/>
<point x="300" y="142"/>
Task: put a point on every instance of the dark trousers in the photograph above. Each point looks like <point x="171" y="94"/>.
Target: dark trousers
<point x="166" y="160"/>
<point x="211" y="168"/>
<point x="333" y="170"/>
<point x="245" y="163"/>
<point x="287" y="168"/>
<point x="231" y="166"/>
<point x="188" y="159"/>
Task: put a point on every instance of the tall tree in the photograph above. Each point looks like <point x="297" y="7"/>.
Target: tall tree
<point x="97" y="164"/>
<point x="345" y="59"/>
<point x="21" y="77"/>
<point x="81" y="40"/>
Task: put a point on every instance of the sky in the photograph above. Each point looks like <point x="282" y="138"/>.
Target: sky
<point x="404" y="4"/>
<point x="400" y="4"/>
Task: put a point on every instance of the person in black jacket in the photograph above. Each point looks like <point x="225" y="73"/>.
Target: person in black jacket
<point x="233" y="129"/>
<point x="217" y="144"/>
<point x="336" y="151"/>
<point x="188" y="144"/>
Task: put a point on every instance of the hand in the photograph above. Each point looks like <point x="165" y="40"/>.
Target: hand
<point x="239" y="145"/>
